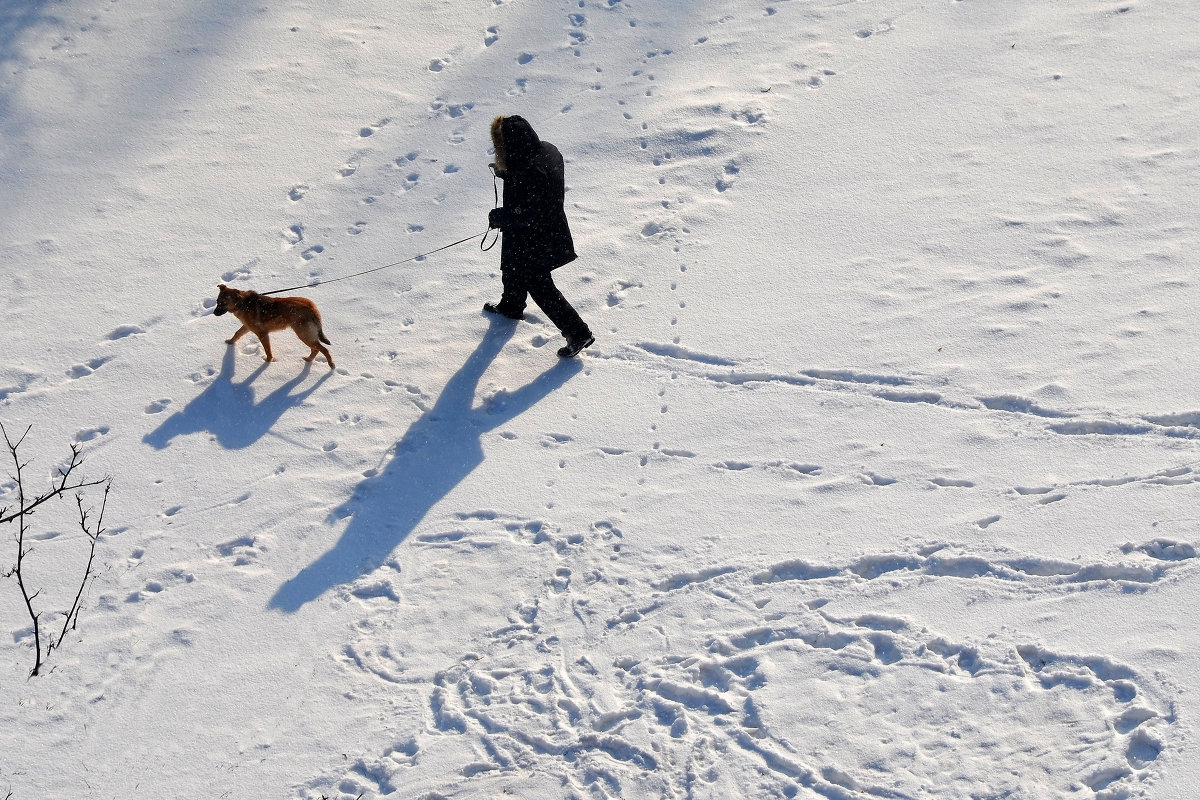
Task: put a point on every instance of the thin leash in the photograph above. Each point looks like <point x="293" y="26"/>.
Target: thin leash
<point x="385" y="266"/>
<point x="483" y="241"/>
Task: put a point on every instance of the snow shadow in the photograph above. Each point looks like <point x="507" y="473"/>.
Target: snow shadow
<point x="438" y="451"/>
<point x="229" y="410"/>
<point x="16" y="16"/>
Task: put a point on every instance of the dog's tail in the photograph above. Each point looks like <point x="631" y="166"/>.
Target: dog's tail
<point x="322" y="337"/>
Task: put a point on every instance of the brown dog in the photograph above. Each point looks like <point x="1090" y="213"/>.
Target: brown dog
<point x="261" y="315"/>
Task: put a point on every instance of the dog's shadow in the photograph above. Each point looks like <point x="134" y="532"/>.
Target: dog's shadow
<point x="230" y="412"/>
<point x="438" y="451"/>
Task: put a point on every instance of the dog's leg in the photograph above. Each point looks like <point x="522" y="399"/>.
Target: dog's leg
<point x="264" y="338"/>
<point x="316" y="348"/>
<point x="240" y="333"/>
<point x="313" y="339"/>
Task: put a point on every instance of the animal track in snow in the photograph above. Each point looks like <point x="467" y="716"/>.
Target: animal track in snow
<point x="88" y="434"/>
<point x="441" y="107"/>
<point x="232" y="275"/>
<point x="1190" y="419"/>
<point x="951" y="482"/>
<point x="717" y="708"/>
<point x="1163" y="549"/>
<point x="371" y="588"/>
<point x="619" y="295"/>
<point x="932" y="398"/>
<point x="1103" y="427"/>
<point x="1175" y="476"/>
<point x="85" y="369"/>
<point x="159" y="585"/>
<point x="682" y="360"/>
<point x="124" y="331"/>
<point x="14" y="384"/>
<point x="726" y="181"/>
<point x="1019" y="405"/>
<point x="410" y="180"/>
<point x="242" y="552"/>
<point x="866" y="33"/>
<point x="158" y="406"/>
<point x="370" y="130"/>
<point x="292" y="235"/>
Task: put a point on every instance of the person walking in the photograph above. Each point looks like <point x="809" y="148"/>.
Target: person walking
<point x="536" y="237"/>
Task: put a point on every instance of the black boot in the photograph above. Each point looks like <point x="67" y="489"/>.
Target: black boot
<point x="492" y="308"/>
<point x="575" y="345"/>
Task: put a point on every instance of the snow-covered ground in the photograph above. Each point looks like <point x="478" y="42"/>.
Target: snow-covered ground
<point x="882" y="479"/>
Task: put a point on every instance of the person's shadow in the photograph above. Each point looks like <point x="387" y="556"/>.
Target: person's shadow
<point x="228" y="410"/>
<point x="438" y="451"/>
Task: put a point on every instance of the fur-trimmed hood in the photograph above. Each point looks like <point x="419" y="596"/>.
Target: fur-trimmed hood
<point x="515" y="142"/>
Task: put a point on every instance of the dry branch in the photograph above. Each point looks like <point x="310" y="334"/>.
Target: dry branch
<point x="67" y="481"/>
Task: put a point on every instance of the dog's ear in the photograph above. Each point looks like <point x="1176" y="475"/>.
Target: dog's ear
<point x="222" y="286"/>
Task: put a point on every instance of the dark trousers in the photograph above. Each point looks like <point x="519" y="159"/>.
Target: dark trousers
<point x="540" y="286"/>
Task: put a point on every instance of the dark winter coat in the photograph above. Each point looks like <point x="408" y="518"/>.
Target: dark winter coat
<point x="533" y="220"/>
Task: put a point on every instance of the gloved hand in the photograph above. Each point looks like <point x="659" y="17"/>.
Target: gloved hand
<point x="496" y="218"/>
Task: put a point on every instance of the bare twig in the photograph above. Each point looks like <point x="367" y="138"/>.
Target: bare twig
<point x="61" y="487"/>
<point x="23" y="510"/>
<point x="93" y="537"/>
<point x="66" y="481"/>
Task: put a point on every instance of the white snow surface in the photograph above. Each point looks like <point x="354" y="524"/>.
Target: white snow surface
<point x="881" y="480"/>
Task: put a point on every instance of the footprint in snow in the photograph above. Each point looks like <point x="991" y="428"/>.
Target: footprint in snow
<point x="718" y="700"/>
<point x="242" y="551"/>
<point x="88" y="434"/>
<point x="125" y="331"/>
<point x="952" y="483"/>
<point x="292" y="235"/>
<point x="83" y="370"/>
<point x="1163" y="549"/>
<point x="154" y="587"/>
<point x="369" y="130"/>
